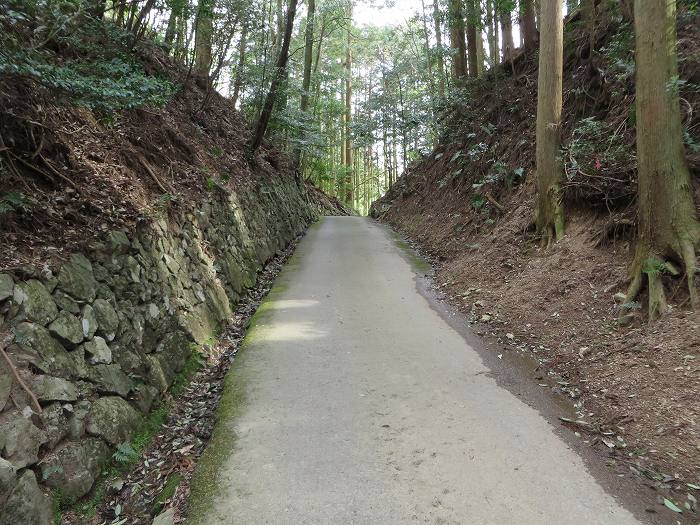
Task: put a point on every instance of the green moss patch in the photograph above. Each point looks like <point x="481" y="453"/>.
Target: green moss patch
<point x="167" y="492"/>
<point x="204" y="485"/>
<point x="128" y="454"/>
<point x="419" y="264"/>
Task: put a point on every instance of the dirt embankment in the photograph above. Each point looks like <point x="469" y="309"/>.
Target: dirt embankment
<point x="470" y="205"/>
<point x="131" y="226"/>
<point x="77" y="164"/>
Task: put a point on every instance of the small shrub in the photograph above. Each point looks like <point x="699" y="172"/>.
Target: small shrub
<point x="104" y="77"/>
<point x="14" y="202"/>
<point x="595" y="147"/>
<point x="478" y="201"/>
<point x="125" y="453"/>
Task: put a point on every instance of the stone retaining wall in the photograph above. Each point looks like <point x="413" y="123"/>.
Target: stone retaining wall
<point x="100" y="340"/>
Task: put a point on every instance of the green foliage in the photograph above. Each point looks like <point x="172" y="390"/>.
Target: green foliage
<point x="168" y="492"/>
<point x="595" y="147"/>
<point x="690" y="142"/>
<point x="125" y="453"/>
<point x="86" y="508"/>
<point x="216" y="151"/>
<point x="477" y="150"/>
<point x="151" y="424"/>
<point x="620" y="52"/>
<point x="688" y="8"/>
<point x="98" y="72"/>
<point x="194" y="363"/>
<point x="15" y="202"/>
<point x="654" y="266"/>
<point x="478" y="201"/>
<point x="105" y="86"/>
<point x="164" y="200"/>
<point x="632" y="306"/>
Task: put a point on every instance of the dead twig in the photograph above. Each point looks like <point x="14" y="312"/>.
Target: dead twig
<point x="56" y="172"/>
<point x="4" y="342"/>
<point x="493" y="201"/>
<point x="150" y="171"/>
<point x="32" y="167"/>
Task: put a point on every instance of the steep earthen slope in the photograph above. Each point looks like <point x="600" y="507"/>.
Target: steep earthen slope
<point x="470" y="204"/>
<point x="128" y="235"/>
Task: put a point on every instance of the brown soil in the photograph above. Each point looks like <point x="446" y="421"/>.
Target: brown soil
<point x="634" y="384"/>
<point x="85" y="173"/>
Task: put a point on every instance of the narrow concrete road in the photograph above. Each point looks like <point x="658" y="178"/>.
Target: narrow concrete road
<point x="361" y="405"/>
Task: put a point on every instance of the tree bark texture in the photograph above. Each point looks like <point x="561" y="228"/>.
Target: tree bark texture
<point x="668" y="226"/>
<point x="549" y="212"/>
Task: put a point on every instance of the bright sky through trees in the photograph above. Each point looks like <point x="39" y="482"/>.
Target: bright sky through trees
<point x="383" y="13"/>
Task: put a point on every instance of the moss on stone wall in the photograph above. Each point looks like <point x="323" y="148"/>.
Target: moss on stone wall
<point x="100" y="342"/>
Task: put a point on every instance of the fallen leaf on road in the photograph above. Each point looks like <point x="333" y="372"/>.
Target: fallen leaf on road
<point x="672" y="506"/>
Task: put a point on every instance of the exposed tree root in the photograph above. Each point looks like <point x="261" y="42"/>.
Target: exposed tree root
<point x="647" y="261"/>
<point x="4" y="342"/>
<point x="549" y="217"/>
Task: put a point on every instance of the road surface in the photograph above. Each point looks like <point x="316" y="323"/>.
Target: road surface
<point x="361" y="405"/>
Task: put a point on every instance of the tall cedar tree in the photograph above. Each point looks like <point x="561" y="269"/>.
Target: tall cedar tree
<point x="238" y="80"/>
<point x="472" y="42"/>
<point x="455" y="21"/>
<point x="280" y="73"/>
<point x="507" y="33"/>
<point x="308" y="59"/>
<point x="204" y="32"/>
<point x="529" y="30"/>
<point x="348" y="115"/>
<point x="668" y="226"/>
<point x="437" y="19"/>
<point x="549" y="213"/>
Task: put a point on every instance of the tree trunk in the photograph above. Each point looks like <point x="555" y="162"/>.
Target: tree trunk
<point x="507" y="32"/>
<point x="348" y="117"/>
<point x="437" y="18"/>
<point x="528" y="29"/>
<point x="668" y="226"/>
<point x="280" y="70"/>
<point x="180" y="37"/>
<point x="472" y="25"/>
<point x="428" y="54"/>
<point x="308" y="54"/>
<point x="456" y="25"/>
<point x="238" y="81"/>
<point x="231" y="26"/>
<point x="96" y="9"/>
<point x="277" y="36"/>
<point x="492" y="33"/>
<point x="479" y="52"/>
<point x="308" y="62"/>
<point x="589" y="11"/>
<point x="204" y="31"/>
<point x="133" y="9"/>
<point x="139" y="26"/>
<point x="121" y="10"/>
<point x="170" y="29"/>
<point x="549" y="214"/>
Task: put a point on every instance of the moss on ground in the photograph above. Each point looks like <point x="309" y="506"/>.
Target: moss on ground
<point x="414" y="259"/>
<point x="168" y="492"/>
<point x="121" y="463"/>
<point x="205" y="485"/>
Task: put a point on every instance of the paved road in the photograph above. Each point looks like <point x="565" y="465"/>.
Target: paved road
<point x="362" y="406"/>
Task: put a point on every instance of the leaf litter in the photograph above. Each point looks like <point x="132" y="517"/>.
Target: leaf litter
<point x="174" y="451"/>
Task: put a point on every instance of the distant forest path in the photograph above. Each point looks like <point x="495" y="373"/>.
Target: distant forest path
<point x="353" y="400"/>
